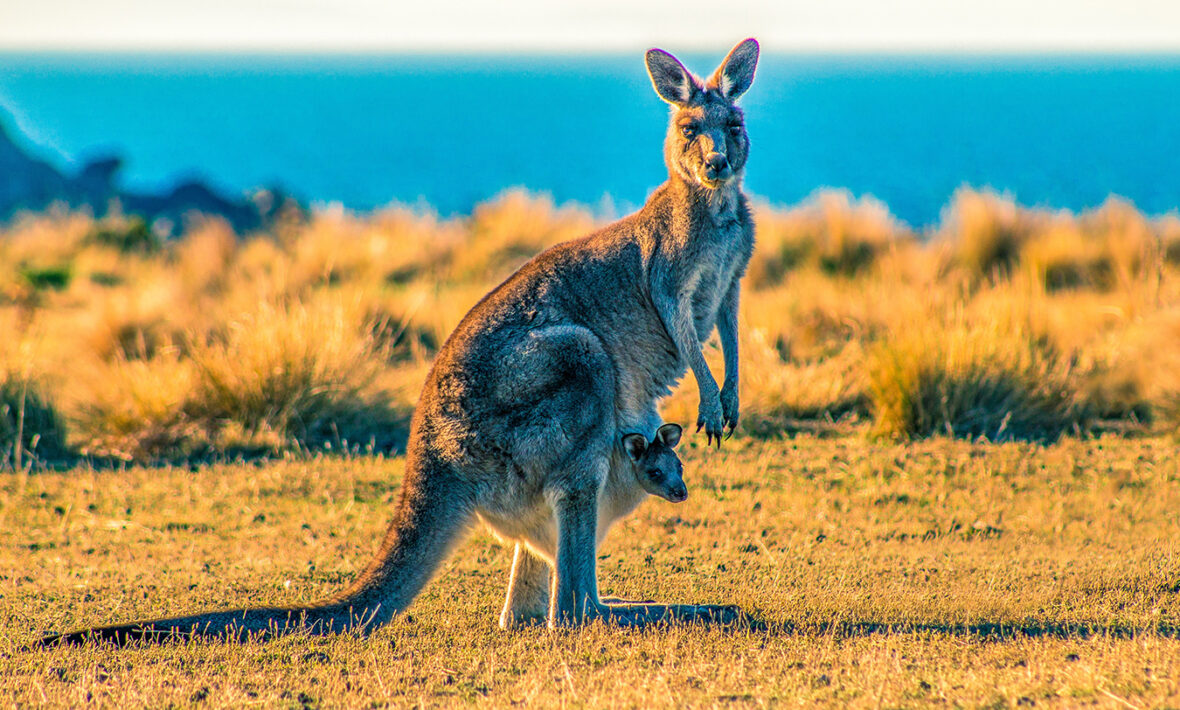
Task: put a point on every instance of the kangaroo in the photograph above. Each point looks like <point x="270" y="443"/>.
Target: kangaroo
<point x="658" y="469"/>
<point x="517" y="424"/>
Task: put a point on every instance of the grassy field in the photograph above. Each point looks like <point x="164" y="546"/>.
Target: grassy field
<point x="940" y="572"/>
<point x="955" y="483"/>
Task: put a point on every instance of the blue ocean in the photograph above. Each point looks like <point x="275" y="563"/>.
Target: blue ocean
<point x="449" y="132"/>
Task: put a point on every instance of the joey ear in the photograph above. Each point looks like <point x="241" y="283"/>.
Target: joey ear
<point x="635" y="444"/>
<point x="671" y="80"/>
<point x="736" y="72"/>
<point x="669" y="434"/>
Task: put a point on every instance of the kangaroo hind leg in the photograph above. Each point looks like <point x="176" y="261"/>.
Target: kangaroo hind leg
<point x="528" y="591"/>
<point x="575" y="597"/>
<point x="575" y="590"/>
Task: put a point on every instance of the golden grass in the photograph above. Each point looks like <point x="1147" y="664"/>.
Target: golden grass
<point x="288" y="338"/>
<point x="935" y="573"/>
<point x="832" y="231"/>
<point x="31" y="427"/>
<point x="989" y="380"/>
<point x="303" y="372"/>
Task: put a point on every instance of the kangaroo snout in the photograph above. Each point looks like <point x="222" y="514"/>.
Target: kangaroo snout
<point x="717" y="166"/>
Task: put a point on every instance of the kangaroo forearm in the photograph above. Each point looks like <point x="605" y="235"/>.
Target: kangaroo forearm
<point x="706" y="383"/>
<point x="690" y="349"/>
<point x="727" y="328"/>
<point x="731" y="362"/>
<point x="681" y="327"/>
<point x="729" y="348"/>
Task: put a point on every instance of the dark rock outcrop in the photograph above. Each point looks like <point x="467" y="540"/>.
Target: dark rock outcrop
<point x="31" y="184"/>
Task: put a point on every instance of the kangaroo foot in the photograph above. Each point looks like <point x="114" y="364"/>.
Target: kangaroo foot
<point x="634" y="615"/>
<point x="517" y="620"/>
<point x="641" y="614"/>
<point x="616" y="601"/>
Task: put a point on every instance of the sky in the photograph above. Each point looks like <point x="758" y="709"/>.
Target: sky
<point x="590" y="25"/>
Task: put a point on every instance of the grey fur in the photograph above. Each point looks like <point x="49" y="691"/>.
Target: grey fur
<point x="517" y="425"/>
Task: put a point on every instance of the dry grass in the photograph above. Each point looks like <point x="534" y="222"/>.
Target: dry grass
<point x="993" y="381"/>
<point x="295" y="338"/>
<point x="934" y="572"/>
<point x="31" y="430"/>
<point x="302" y="372"/>
<point x="928" y="574"/>
<point x="832" y="231"/>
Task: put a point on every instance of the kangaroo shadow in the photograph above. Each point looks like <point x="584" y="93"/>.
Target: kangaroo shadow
<point x="733" y="619"/>
<point x="980" y="630"/>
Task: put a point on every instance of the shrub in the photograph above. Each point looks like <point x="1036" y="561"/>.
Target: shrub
<point x="996" y="383"/>
<point x="832" y="231"/>
<point x="986" y="231"/>
<point x="125" y="234"/>
<point x="302" y="373"/>
<point x="134" y="410"/>
<point x="46" y="278"/>
<point x="30" y="429"/>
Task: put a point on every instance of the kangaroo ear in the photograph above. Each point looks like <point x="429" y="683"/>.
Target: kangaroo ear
<point x="671" y="80"/>
<point x="669" y="434"/>
<point x="736" y="73"/>
<point x="635" y="445"/>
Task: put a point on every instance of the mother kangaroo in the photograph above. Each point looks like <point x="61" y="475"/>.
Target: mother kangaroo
<point x="520" y="419"/>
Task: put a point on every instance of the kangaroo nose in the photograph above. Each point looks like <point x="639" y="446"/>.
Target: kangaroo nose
<point x="717" y="162"/>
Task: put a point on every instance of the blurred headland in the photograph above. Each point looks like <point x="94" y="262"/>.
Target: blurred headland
<point x="31" y="184"/>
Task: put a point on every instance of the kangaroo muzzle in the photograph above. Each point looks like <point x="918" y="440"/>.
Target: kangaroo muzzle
<point x="717" y="166"/>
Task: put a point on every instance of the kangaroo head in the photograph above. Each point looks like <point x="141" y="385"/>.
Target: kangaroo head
<point x="707" y="143"/>
<point x="657" y="467"/>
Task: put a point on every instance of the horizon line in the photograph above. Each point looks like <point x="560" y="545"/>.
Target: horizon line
<point x="376" y="51"/>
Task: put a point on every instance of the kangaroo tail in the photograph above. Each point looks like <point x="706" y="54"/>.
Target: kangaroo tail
<point x="435" y="509"/>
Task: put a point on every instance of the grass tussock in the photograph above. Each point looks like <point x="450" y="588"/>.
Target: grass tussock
<point x="510" y="230"/>
<point x="996" y="383"/>
<point x="986" y="231"/>
<point x="832" y="231"/>
<point x="303" y="373"/>
<point x="320" y="331"/>
<point x="31" y="431"/>
<point x="31" y="428"/>
<point x="138" y="410"/>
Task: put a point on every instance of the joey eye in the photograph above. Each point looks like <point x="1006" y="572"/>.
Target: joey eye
<point x="688" y="131"/>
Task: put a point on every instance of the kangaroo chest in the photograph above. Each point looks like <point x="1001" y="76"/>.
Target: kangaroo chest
<point x="721" y="259"/>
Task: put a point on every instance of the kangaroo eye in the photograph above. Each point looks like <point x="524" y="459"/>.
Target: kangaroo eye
<point x="688" y="131"/>
<point x="735" y="129"/>
<point x="654" y="474"/>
